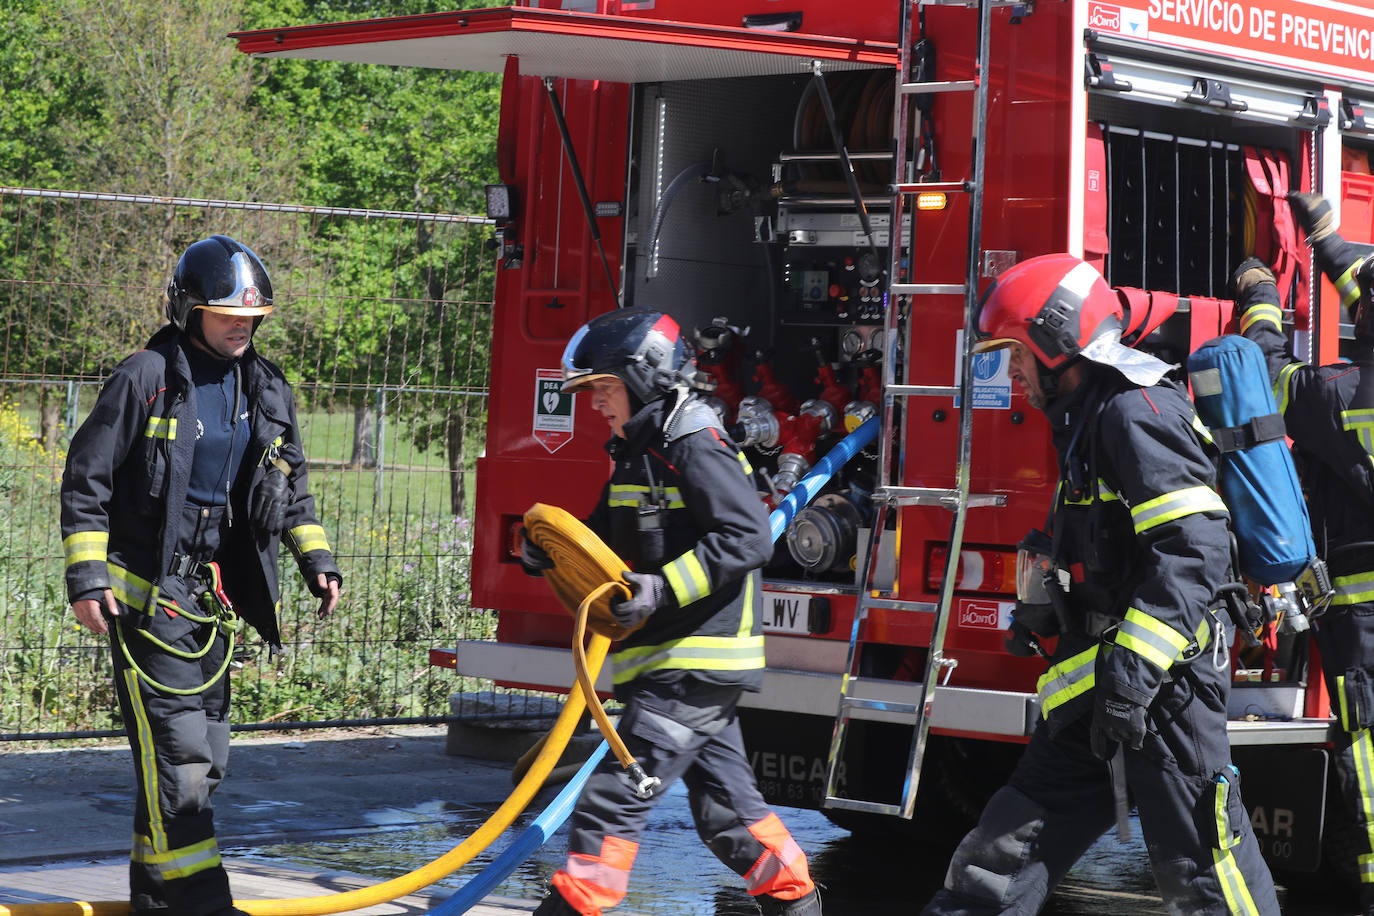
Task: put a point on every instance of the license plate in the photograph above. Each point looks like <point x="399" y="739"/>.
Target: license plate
<point x="785" y="613"/>
<point x="1284" y="789"/>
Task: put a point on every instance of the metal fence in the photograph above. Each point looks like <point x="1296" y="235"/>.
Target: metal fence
<point x="383" y="327"/>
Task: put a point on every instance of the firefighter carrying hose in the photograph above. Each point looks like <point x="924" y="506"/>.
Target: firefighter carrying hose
<point x="179" y="488"/>
<point x="1328" y="412"/>
<point x="1127" y="575"/>
<point x="681" y="510"/>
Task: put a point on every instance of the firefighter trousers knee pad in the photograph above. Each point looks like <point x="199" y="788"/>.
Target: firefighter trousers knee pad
<point x="989" y="859"/>
<point x="809" y="905"/>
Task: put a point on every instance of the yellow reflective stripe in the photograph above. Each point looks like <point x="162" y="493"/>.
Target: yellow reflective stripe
<point x="687" y="578"/>
<point x="1263" y="311"/>
<point x="1162" y="509"/>
<point x="129" y="588"/>
<point x="1356" y="588"/>
<point x="1363" y="752"/>
<point x="1147" y="637"/>
<point x="147" y="757"/>
<point x="1281" y="385"/>
<point x="179" y="863"/>
<point x="699" y="653"/>
<point x="161" y="428"/>
<point x="308" y="538"/>
<point x="634" y="495"/>
<point x="746" y="617"/>
<point x="1223" y="790"/>
<point x="1072" y="677"/>
<point x="1201" y="429"/>
<point x="1365" y="866"/>
<point x="1102" y="492"/>
<point x="1347" y="285"/>
<point x="1239" y="902"/>
<point x="85" y="546"/>
<point x="1361" y="423"/>
<point x="744" y="463"/>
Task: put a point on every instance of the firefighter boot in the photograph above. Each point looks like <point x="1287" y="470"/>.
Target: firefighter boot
<point x="810" y="905"/>
<point x="554" y="905"/>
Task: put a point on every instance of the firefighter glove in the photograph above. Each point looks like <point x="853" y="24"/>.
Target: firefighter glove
<point x="267" y="508"/>
<point x="1116" y="720"/>
<point x="1313" y="213"/>
<point x="1249" y="274"/>
<point x="533" y="559"/>
<point x="648" y="593"/>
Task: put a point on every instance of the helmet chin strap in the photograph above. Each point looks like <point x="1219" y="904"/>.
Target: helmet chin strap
<point x="1049" y="378"/>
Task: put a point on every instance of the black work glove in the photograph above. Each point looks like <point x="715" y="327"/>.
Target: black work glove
<point x="649" y="592"/>
<point x="533" y="559"/>
<point x="1248" y="274"/>
<point x="267" y="508"/>
<point x="1313" y="213"/>
<point x="1116" y="720"/>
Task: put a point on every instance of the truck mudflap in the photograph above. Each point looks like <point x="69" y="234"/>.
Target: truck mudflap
<point x="1284" y="790"/>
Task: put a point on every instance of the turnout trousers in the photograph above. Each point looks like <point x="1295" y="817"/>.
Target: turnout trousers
<point x="1345" y="636"/>
<point x="686" y="730"/>
<point x="1059" y="801"/>
<point x="177" y="715"/>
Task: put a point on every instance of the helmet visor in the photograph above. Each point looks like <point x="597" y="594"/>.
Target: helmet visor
<point x="237" y="289"/>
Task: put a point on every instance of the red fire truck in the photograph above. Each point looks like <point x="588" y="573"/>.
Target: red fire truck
<point x="818" y="191"/>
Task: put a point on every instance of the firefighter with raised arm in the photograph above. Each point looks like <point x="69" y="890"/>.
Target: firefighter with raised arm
<point x="682" y="511"/>
<point x="1328" y="412"/>
<point x="178" y="490"/>
<point x="1127" y="576"/>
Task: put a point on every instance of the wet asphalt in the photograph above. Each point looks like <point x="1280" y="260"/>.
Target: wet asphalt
<point x="379" y="803"/>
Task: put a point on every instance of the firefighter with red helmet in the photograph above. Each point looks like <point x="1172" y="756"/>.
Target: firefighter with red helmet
<point x="1127" y="577"/>
<point x="1328" y="412"/>
<point x="178" y="490"/>
<point x="682" y="511"/>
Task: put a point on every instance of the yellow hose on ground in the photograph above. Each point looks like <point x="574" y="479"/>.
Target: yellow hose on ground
<point x="585" y="573"/>
<point x="422" y="877"/>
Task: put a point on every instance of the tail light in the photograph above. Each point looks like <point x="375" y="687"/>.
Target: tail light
<point x="981" y="569"/>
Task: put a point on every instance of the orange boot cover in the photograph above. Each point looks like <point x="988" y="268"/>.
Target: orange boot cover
<point x="589" y="883"/>
<point x="781" y="871"/>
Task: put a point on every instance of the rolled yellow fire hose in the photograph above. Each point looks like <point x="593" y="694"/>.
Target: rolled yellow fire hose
<point x="585" y="574"/>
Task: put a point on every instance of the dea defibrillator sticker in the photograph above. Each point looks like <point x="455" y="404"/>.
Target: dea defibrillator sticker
<point x="553" y="410"/>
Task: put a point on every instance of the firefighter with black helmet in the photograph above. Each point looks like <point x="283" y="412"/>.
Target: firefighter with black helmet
<point x="682" y="511"/>
<point x="179" y="488"/>
<point x="1328" y="412"/>
<point x="1127" y="577"/>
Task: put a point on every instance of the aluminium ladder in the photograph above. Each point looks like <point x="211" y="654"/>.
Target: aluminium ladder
<point x="870" y="698"/>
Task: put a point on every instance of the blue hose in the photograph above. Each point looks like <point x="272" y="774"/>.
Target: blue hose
<point x="547" y="823"/>
<point x="807" y="488"/>
<point x="530" y="839"/>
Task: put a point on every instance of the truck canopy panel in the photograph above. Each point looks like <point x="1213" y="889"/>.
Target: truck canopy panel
<point x="558" y="43"/>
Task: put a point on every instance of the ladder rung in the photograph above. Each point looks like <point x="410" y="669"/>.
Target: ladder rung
<point x="927" y="187"/>
<point x="931" y="496"/>
<point x="894" y="604"/>
<point x="928" y="289"/>
<point x="854" y="804"/>
<point x="939" y="86"/>
<point x="937" y="391"/>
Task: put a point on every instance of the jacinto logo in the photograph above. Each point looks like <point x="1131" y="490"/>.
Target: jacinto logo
<point x="980" y="615"/>
<point x="1104" y="17"/>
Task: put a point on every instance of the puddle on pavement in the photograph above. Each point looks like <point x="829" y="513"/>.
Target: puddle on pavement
<point x="675" y="875"/>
